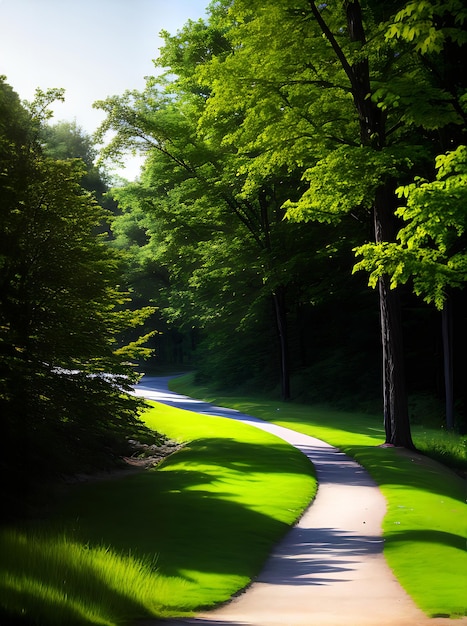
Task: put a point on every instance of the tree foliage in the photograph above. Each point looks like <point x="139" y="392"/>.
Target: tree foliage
<point x="431" y="246"/>
<point x="61" y="309"/>
<point x="348" y="162"/>
<point x="272" y="151"/>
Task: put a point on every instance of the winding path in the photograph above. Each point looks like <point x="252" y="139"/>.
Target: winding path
<point x="329" y="570"/>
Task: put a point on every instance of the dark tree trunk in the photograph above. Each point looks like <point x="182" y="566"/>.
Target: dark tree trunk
<point x="396" y="413"/>
<point x="396" y="418"/>
<point x="281" y="324"/>
<point x="459" y="349"/>
<point x="447" y="328"/>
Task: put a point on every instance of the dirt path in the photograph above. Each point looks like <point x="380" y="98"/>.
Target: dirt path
<point x="329" y="570"/>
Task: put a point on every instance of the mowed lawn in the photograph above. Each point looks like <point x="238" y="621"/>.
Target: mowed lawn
<point x="186" y="536"/>
<point x="160" y="542"/>
<point x="425" y="528"/>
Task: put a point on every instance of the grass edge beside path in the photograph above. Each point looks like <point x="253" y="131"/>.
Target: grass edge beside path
<point x="426" y="521"/>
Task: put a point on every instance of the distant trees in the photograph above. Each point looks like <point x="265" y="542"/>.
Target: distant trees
<point x="293" y="139"/>
<point x="61" y="310"/>
<point x="222" y="239"/>
<point x="66" y="140"/>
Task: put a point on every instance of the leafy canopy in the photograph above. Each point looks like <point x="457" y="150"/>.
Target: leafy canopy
<point x="431" y="247"/>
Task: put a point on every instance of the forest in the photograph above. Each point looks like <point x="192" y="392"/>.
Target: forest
<point x="287" y="170"/>
<point x="298" y="227"/>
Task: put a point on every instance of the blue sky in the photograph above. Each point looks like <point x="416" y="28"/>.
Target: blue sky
<point x="91" y="48"/>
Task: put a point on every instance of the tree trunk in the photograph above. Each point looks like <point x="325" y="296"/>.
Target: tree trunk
<point x="395" y="404"/>
<point x="459" y="350"/>
<point x="396" y="418"/>
<point x="446" y="322"/>
<point x="281" y="324"/>
<point x="373" y="134"/>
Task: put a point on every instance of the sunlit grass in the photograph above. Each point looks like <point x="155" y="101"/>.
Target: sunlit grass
<point x="161" y="542"/>
<point x="188" y="535"/>
<point x="426" y="522"/>
<point x="424" y="528"/>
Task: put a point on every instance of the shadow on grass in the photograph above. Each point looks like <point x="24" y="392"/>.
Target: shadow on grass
<point x="427" y="536"/>
<point x="193" y="519"/>
<point x="248" y="457"/>
<point x="397" y="466"/>
<point x="25" y="608"/>
<point x="202" y="532"/>
<point x="189" y="518"/>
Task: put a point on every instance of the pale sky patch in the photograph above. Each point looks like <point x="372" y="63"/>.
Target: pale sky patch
<point x="91" y="48"/>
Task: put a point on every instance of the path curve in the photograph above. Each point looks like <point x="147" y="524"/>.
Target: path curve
<point x="329" y="569"/>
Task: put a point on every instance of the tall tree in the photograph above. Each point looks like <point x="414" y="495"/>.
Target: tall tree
<point x="353" y="100"/>
<point x="321" y="89"/>
<point x="431" y="245"/>
<point x="431" y="248"/>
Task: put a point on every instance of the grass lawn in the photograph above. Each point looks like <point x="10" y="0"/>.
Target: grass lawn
<point x="162" y="542"/>
<point x="425" y="527"/>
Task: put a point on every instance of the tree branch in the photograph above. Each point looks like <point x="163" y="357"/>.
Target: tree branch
<point x="332" y="40"/>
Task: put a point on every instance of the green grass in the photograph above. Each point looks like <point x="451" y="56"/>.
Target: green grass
<point x="426" y="521"/>
<point x="162" y="542"/>
<point x="446" y="447"/>
<point x="53" y="579"/>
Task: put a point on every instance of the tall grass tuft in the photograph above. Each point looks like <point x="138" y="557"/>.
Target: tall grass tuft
<point x="61" y="581"/>
<point x="447" y="447"/>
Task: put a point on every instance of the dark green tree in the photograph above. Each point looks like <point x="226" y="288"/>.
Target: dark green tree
<point x="63" y="371"/>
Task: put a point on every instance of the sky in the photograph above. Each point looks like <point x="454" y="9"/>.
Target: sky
<point x="91" y="48"/>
